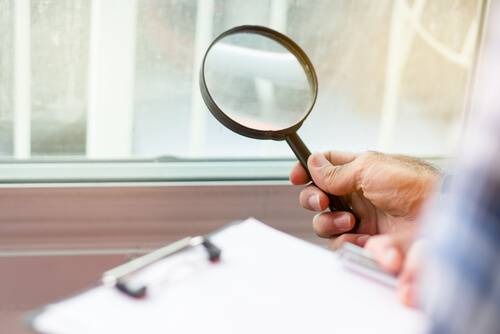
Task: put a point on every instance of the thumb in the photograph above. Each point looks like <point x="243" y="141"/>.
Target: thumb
<point x="338" y="180"/>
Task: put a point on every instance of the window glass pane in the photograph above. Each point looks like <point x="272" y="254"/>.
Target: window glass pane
<point x="163" y="77"/>
<point x="59" y="70"/>
<point x="387" y="81"/>
<point x="119" y="78"/>
<point x="6" y="78"/>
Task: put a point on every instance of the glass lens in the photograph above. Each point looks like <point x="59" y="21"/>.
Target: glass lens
<point x="257" y="82"/>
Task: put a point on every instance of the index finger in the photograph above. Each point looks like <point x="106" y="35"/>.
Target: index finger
<point x="298" y="175"/>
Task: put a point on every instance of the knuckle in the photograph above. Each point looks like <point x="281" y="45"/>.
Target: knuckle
<point x="330" y="174"/>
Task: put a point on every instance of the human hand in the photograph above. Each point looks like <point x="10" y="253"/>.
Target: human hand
<point x="408" y="267"/>
<point x="386" y="192"/>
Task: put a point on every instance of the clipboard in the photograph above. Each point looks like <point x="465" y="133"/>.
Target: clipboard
<point x="244" y="278"/>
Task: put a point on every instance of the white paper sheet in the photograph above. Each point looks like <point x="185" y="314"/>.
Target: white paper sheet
<point x="265" y="282"/>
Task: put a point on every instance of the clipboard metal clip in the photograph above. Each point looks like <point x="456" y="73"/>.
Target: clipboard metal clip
<point x="117" y="277"/>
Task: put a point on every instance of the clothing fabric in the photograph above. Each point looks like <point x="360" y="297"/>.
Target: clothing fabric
<point x="461" y="285"/>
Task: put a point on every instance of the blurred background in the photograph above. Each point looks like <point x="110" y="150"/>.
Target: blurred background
<point x="119" y="78"/>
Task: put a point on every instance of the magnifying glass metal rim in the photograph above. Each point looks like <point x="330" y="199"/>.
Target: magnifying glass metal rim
<point x="290" y="46"/>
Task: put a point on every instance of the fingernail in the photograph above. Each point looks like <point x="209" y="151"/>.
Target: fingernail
<point x="361" y="241"/>
<point x="343" y="222"/>
<point x="314" y="202"/>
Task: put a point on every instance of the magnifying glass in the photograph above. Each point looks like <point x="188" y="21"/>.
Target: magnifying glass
<point x="260" y="84"/>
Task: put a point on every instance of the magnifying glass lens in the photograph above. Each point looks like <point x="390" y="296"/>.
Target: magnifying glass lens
<point x="257" y="82"/>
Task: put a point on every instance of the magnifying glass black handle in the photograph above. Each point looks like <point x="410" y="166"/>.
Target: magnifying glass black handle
<point x="302" y="153"/>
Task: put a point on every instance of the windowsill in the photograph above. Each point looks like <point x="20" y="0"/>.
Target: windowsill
<point x="52" y="173"/>
<point x="103" y="207"/>
<point x="178" y="171"/>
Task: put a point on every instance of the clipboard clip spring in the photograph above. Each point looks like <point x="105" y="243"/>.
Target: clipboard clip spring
<point x="117" y="277"/>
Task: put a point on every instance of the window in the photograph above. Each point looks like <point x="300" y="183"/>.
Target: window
<point x="119" y="79"/>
